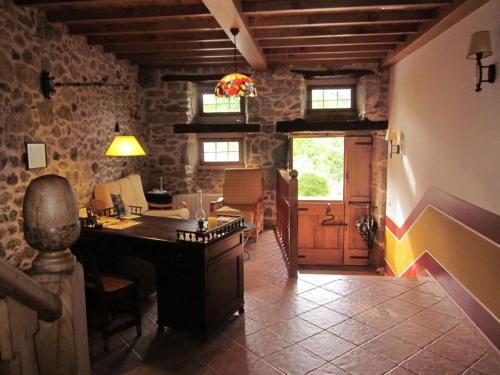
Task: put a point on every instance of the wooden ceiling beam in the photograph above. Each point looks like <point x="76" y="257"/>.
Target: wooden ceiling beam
<point x="332" y="41"/>
<point x="325" y="56"/>
<point x="154" y="37"/>
<point x="177" y="47"/>
<point x="341" y="19"/>
<point x="332" y="31"/>
<point x="129" y="14"/>
<point x="229" y="15"/>
<point x="179" y="56"/>
<point x="317" y="6"/>
<point x="43" y="3"/>
<point x="175" y="25"/>
<point x="445" y="19"/>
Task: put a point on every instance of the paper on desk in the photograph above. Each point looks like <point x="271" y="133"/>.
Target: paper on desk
<point x="120" y="224"/>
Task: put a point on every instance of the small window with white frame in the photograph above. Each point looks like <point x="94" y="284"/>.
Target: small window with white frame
<point x="336" y="98"/>
<point x="221" y="151"/>
<point x="212" y="105"/>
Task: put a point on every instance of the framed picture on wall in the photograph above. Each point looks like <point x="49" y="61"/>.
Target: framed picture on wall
<point x="36" y="155"/>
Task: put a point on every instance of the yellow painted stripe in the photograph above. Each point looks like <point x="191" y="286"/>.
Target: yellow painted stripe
<point x="474" y="261"/>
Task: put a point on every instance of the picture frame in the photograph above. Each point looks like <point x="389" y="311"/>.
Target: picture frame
<point x="36" y="155"/>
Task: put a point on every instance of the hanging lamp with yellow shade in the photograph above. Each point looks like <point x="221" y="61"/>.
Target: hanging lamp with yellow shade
<point x="125" y="145"/>
<point x="235" y="84"/>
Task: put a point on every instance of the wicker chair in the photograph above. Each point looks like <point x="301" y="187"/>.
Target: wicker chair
<point x="243" y="194"/>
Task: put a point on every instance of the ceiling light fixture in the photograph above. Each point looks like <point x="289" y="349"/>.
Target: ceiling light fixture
<point x="124" y="145"/>
<point x="235" y="84"/>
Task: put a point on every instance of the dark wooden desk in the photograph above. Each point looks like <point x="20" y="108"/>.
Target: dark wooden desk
<point x="199" y="285"/>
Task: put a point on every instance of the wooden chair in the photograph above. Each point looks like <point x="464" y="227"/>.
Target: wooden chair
<point x="243" y="195"/>
<point x="114" y="294"/>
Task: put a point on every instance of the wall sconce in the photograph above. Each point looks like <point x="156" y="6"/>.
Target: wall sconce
<point x="479" y="48"/>
<point x="392" y="136"/>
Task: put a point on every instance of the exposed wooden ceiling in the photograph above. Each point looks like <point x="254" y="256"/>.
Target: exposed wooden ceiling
<point x="197" y="32"/>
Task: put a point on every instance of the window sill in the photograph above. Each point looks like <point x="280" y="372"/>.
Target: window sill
<point x="205" y="167"/>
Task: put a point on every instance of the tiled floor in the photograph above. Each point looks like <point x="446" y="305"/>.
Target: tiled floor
<point x="318" y="324"/>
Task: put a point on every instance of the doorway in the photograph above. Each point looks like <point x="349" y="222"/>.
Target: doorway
<point x="334" y="191"/>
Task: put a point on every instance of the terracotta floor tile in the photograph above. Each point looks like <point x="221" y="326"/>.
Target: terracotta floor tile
<point x="342" y="286"/>
<point x="295" y="305"/>
<point x="192" y="366"/>
<point x="431" y="287"/>
<point x="118" y="361"/>
<point x="378" y="319"/>
<point x="228" y="358"/>
<point x="409" y="282"/>
<point x="327" y="345"/>
<point x="414" y="333"/>
<point x="426" y="362"/>
<point x="328" y="369"/>
<point x="447" y="307"/>
<point x="399" y="371"/>
<point x="296" y="286"/>
<point x="398" y="308"/>
<point x="295" y="329"/>
<point x="434" y="320"/>
<point x="269" y="315"/>
<point x="242" y="326"/>
<point x="488" y="365"/>
<point x="252" y="303"/>
<point x="347" y="306"/>
<point x="260" y="367"/>
<point x="264" y="342"/>
<point x="391" y="288"/>
<point x="267" y="294"/>
<point x="358" y="361"/>
<point x="320" y="296"/>
<point x="419" y="298"/>
<point x="370" y="296"/>
<point x="323" y="317"/>
<point x="456" y="350"/>
<point x="468" y="333"/>
<point x="354" y="331"/>
<point x="391" y="348"/>
<point x="317" y="279"/>
<point x="295" y="360"/>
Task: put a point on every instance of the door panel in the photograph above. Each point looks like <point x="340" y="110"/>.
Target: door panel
<point x="357" y="196"/>
<point x="320" y="244"/>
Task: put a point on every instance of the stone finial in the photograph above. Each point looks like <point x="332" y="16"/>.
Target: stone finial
<point x="293" y="173"/>
<point x="51" y="223"/>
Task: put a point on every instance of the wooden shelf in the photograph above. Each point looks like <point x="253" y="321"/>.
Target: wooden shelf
<point x="308" y="126"/>
<point x="216" y="128"/>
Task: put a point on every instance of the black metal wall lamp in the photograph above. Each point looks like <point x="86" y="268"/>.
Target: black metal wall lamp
<point x="479" y="48"/>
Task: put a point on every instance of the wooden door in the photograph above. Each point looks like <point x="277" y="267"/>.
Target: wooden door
<point x="320" y="244"/>
<point x="357" y="196"/>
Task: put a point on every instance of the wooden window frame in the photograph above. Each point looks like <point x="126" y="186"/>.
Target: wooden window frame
<point x="352" y="109"/>
<point x="216" y="114"/>
<point x="221" y="164"/>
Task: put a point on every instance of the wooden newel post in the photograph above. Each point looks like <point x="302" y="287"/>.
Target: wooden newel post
<point x="51" y="226"/>
<point x="294" y="223"/>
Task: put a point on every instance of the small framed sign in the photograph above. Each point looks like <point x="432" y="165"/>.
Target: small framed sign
<point x="36" y="155"/>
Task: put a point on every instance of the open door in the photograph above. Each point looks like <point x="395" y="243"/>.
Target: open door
<point x="334" y="190"/>
<point x="357" y="196"/>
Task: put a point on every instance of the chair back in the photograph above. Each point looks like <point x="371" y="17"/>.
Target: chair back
<point x="243" y="185"/>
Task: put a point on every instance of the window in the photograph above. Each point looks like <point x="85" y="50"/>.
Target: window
<point x="320" y="163"/>
<point x="331" y="98"/>
<point x="212" y="104"/>
<point x="221" y="151"/>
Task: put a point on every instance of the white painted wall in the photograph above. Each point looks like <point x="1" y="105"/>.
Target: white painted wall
<point x="450" y="135"/>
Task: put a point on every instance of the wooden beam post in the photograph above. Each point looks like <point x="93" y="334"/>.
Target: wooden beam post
<point x="229" y="15"/>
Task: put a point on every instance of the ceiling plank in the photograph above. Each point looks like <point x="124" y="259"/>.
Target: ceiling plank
<point x="129" y="14"/>
<point x="328" y="49"/>
<point x="229" y="15"/>
<point x="332" y="41"/>
<point x="447" y="18"/>
<point x="175" y="25"/>
<point x="177" y="47"/>
<point x="341" y="19"/>
<point x="158" y="36"/>
<point x="185" y="55"/>
<point x="324" y="56"/>
<point x="317" y="6"/>
<point x="322" y="32"/>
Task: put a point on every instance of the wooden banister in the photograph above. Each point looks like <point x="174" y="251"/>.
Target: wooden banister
<point x="287" y="228"/>
<point x="19" y="286"/>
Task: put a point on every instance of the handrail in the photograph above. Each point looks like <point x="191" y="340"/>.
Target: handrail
<point x="287" y="218"/>
<point x="16" y="284"/>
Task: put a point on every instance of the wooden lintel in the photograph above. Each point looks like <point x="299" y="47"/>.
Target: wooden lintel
<point x="216" y="128"/>
<point x="229" y="16"/>
<point x="310" y="74"/>
<point x="445" y="19"/>
<point x="310" y="126"/>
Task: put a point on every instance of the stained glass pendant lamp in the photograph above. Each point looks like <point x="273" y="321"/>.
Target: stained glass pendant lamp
<point x="235" y="84"/>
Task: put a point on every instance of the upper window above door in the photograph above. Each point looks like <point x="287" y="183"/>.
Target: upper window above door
<point x="338" y="98"/>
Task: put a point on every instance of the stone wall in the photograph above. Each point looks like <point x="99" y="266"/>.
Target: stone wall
<point x="76" y="124"/>
<point x="282" y="96"/>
